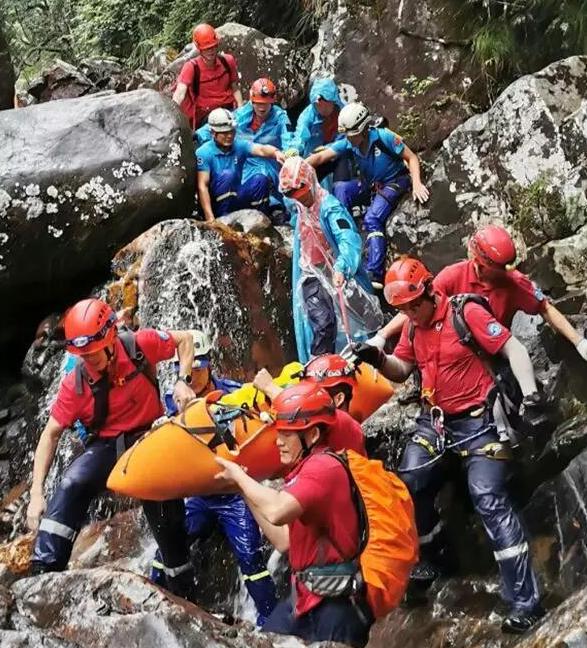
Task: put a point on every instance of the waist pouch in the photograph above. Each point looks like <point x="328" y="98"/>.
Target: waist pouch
<point x="336" y="579"/>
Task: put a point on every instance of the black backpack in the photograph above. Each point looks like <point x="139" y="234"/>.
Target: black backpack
<point x="507" y="387"/>
<point x="101" y="388"/>
<point x="196" y="82"/>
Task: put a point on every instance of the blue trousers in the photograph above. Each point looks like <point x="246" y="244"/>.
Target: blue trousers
<point x="486" y="478"/>
<point x="242" y="532"/>
<point x="334" y="619"/>
<point x="67" y="510"/>
<point x="229" y="195"/>
<point x="321" y="316"/>
<point x="380" y="206"/>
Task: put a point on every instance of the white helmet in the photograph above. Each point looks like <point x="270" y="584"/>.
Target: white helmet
<point x="353" y="118"/>
<point x="221" y="120"/>
<point x="202" y="346"/>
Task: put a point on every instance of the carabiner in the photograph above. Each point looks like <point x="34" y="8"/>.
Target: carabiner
<point x="437" y="423"/>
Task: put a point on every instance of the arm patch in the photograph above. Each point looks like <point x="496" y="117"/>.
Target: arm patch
<point x="343" y="223"/>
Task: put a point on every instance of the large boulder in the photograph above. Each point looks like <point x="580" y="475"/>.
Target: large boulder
<point x="523" y="163"/>
<point x="78" y="179"/>
<point x="257" y="55"/>
<point x="234" y="286"/>
<point x="106" y="607"/>
<point x="400" y="58"/>
<point x="6" y="75"/>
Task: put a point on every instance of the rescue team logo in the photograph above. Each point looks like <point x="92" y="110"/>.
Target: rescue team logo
<point x="200" y="161"/>
<point x="376" y="151"/>
<point x="163" y="335"/>
<point x="494" y="329"/>
<point x="538" y="294"/>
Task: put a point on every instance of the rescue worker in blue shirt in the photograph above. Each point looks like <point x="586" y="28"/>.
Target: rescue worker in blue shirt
<point x="317" y="126"/>
<point x="220" y="164"/>
<point x="228" y="511"/>
<point x="388" y="170"/>
<point x="260" y="121"/>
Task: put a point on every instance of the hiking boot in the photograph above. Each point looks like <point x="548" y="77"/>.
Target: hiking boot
<point x="519" y="622"/>
<point x="38" y="568"/>
<point x="183" y="586"/>
<point x="422" y="576"/>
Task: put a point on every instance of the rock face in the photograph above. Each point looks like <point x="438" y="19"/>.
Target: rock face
<point x="65" y="81"/>
<point x="398" y="57"/>
<point x="108" y="607"/>
<point x="257" y="56"/>
<point x="6" y="76"/>
<point x="523" y="162"/>
<point x="79" y="179"/>
<point x="233" y="286"/>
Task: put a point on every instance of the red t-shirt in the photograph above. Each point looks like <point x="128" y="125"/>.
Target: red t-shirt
<point x="330" y="127"/>
<point x="346" y="434"/>
<point x="321" y="485"/>
<point x="214" y="86"/>
<point x="256" y="123"/>
<point x="458" y="377"/>
<point x="314" y="248"/>
<point x="515" y="293"/>
<point x="131" y="406"/>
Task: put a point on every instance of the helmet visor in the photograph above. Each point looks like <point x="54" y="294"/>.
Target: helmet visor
<point x="402" y="292"/>
<point x="81" y="341"/>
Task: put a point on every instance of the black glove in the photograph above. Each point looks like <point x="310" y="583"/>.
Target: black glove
<point x="369" y="354"/>
<point x="532" y="405"/>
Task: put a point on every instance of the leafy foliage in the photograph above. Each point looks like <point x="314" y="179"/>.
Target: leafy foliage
<point x="39" y="30"/>
<point x="513" y="37"/>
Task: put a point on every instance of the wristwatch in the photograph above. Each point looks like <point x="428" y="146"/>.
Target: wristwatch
<point x="187" y="379"/>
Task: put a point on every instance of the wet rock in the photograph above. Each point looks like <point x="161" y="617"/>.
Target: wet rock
<point x="248" y="221"/>
<point x="522" y="163"/>
<point x="557" y="521"/>
<point x="401" y="59"/>
<point x="106" y="607"/>
<point x="116" y="166"/>
<point x="563" y="627"/>
<point x="234" y="286"/>
<point x="6" y="75"/>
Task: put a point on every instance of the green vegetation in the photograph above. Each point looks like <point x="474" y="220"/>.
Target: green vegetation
<point x="513" y="37"/>
<point x="41" y="30"/>
<point x="540" y="211"/>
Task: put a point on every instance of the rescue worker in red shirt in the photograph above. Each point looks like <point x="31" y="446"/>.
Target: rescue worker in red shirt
<point x="313" y="517"/>
<point x="208" y="81"/>
<point x="456" y="416"/>
<point x="490" y="272"/>
<point x="113" y="392"/>
<point x="337" y="377"/>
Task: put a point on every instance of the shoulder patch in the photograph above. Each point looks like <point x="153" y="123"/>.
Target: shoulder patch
<point x="163" y="335"/>
<point x="343" y="223"/>
<point x="494" y="329"/>
<point x="538" y="294"/>
<point x="200" y="160"/>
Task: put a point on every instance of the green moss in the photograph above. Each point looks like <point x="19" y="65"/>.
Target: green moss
<point x="540" y="211"/>
<point x="414" y="87"/>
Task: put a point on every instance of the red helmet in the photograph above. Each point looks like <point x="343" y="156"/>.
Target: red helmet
<point x="89" y="327"/>
<point x="263" y="91"/>
<point x="493" y="247"/>
<point x="329" y="370"/>
<point x="302" y="406"/>
<point x="406" y="280"/>
<point x="205" y="37"/>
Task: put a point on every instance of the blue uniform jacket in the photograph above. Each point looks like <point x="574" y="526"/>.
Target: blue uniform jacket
<point x="377" y="165"/>
<point x="308" y="133"/>
<point x="344" y="240"/>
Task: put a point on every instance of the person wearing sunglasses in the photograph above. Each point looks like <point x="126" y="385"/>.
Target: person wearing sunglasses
<point x="220" y="164"/>
<point x="113" y="391"/>
<point x="261" y="121"/>
<point x="331" y="300"/>
<point x="456" y="417"/>
<point x="228" y="512"/>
